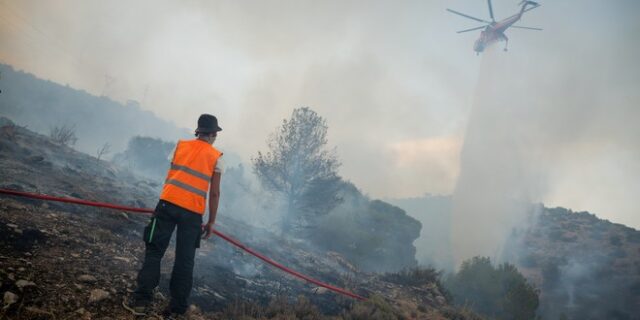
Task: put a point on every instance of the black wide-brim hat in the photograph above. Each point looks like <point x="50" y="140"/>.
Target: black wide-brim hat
<point x="208" y="124"/>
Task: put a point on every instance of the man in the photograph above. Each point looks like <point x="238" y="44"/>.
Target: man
<point x="196" y="168"/>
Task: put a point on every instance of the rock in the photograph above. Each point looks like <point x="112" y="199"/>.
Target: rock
<point x="18" y="206"/>
<point x="9" y="299"/>
<point x="12" y="226"/>
<point x="36" y="158"/>
<point x="37" y="311"/>
<point x="123" y="259"/>
<point x="21" y="284"/>
<point x="158" y="295"/>
<point x="83" y="314"/>
<point x="97" y="295"/>
<point x="194" y="313"/>
<point x="219" y="296"/>
<point x="86" y="278"/>
<point x="319" y="290"/>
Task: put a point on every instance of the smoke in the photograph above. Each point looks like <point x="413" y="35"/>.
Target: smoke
<point x="496" y="175"/>
<point x="245" y="200"/>
<point x="391" y="78"/>
<point x="548" y="125"/>
<point x="251" y="63"/>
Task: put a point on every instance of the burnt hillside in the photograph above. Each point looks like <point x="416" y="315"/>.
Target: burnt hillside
<point x="586" y="267"/>
<point x="65" y="261"/>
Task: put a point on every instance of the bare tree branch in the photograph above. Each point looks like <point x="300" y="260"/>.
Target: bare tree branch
<point x="104" y="150"/>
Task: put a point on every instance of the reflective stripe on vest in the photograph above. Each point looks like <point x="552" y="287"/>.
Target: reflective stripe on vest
<point x="190" y="171"/>
<point x="189" y="176"/>
<point x="187" y="187"/>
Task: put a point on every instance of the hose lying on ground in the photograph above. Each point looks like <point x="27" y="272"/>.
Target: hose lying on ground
<point x="216" y="232"/>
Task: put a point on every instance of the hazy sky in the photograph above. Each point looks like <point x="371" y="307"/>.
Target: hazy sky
<point x="392" y="78"/>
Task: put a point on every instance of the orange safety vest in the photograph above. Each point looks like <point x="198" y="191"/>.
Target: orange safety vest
<point x="188" y="179"/>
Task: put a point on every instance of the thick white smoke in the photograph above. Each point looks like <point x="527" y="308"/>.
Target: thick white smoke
<point x="498" y="175"/>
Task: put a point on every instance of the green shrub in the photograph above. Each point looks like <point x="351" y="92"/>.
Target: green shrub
<point x="498" y="292"/>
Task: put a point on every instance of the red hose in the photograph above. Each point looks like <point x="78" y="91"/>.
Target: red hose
<point x="218" y="233"/>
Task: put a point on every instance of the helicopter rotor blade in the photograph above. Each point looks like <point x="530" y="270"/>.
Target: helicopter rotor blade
<point x="467" y="16"/>
<point x="527" y="9"/>
<point x="472" y="29"/>
<point x="531" y="8"/>
<point x="528" y="28"/>
<point x="490" y="10"/>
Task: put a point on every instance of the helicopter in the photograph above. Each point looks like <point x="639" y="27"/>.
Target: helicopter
<point x="494" y="30"/>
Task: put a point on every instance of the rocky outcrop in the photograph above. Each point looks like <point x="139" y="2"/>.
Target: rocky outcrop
<point x="373" y="235"/>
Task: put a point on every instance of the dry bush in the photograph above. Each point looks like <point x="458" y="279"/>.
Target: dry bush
<point x="414" y="276"/>
<point x="375" y="308"/>
<point x="463" y="313"/>
<point x="9" y="131"/>
<point x="104" y="150"/>
<point x="64" y="134"/>
<point x="278" y="308"/>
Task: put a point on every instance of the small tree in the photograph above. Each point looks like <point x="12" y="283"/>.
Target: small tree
<point x="299" y="166"/>
<point x="64" y="134"/>
<point x="104" y="150"/>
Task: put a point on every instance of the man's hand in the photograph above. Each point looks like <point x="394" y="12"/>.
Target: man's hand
<point x="207" y="230"/>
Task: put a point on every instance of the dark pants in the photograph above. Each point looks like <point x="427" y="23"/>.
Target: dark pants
<point x="157" y="236"/>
